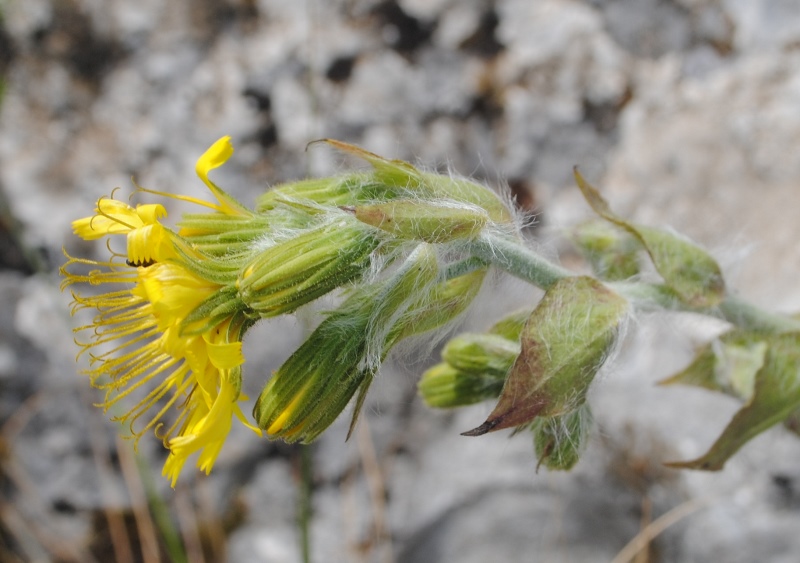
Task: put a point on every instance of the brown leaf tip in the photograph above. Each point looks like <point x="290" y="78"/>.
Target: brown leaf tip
<point x="484" y="428"/>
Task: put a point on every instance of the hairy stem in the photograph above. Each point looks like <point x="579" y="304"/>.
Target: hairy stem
<point x="512" y="256"/>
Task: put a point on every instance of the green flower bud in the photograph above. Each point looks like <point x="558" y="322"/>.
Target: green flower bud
<point x="220" y="235"/>
<point x="397" y="178"/>
<point x="511" y="325"/>
<point x="560" y="440"/>
<point x="342" y="355"/>
<point x="443" y="386"/>
<point x="349" y="189"/>
<point x="303" y="268"/>
<point x="439" y="186"/>
<point x="428" y="221"/>
<point x="481" y="353"/>
<point x="446" y="301"/>
<point x="611" y="251"/>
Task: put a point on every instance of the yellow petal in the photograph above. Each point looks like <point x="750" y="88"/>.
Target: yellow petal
<point x="227" y="355"/>
<point x="151" y="212"/>
<point x="216" y="155"/>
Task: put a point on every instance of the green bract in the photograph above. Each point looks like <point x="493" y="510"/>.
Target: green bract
<point x="687" y="269"/>
<point x="564" y="342"/>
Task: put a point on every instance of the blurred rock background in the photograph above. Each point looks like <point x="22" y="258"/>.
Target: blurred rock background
<point x="684" y="112"/>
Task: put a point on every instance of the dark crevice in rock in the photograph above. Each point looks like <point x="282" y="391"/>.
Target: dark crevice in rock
<point x="340" y="69"/>
<point x="14" y="254"/>
<point x="71" y="40"/>
<point x="605" y="115"/>
<point x="484" y="42"/>
<point x="258" y="98"/>
<point x="405" y="34"/>
<point x="267" y="133"/>
<point x="524" y="196"/>
<point x="7" y="53"/>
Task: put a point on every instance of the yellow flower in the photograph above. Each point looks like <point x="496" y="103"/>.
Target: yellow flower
<point x="143" y="341"/>
<point x="148" y="241"/>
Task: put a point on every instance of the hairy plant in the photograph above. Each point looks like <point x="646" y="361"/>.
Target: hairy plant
<point x="407" y="251"/>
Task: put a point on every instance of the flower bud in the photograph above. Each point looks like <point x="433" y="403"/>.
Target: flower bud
<point x="343" y="190"/>
<point x="444" y="386"/>
<point x="342" y="355"/>
<point x="560" y="440"/>
<point x="612" y="252"/>
<point x="300" y="269"/>
<point x="510" y="326"/>
<point x="395" y="177"/>
<point x="688" y="270"/>
<point x="428" y="221"/>
<point x="481" y="353"/>
<point x="445" y="302"/>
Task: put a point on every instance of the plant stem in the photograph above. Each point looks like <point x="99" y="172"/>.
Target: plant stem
<point x="512" y="256"/>
<point x="515" y="258"/>
<point x="304" y="502"/>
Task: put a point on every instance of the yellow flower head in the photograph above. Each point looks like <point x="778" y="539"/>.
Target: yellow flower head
<point x="143" y="340"/>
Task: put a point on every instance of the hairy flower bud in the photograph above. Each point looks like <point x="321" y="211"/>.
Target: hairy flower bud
<point x="341" y="356"/>
<point x="428" y="221"/>
<point x="559" y="440"/>
<point x="611" y="251"/>
<point x="294" y="272"/>
<point x="444" y="386"/>
<point x="481" y="353"/>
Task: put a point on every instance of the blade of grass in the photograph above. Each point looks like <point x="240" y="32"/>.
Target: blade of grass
<point x="161" y="516"/>
<point x="658" y="526"/>
<point x="148" y="542"/>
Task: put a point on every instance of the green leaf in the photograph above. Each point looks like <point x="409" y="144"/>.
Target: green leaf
<point x="776" y="396"/>
<point x="687" y="269"/>
<point x="564" y="342"/>
<point x="729" y="364"/>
